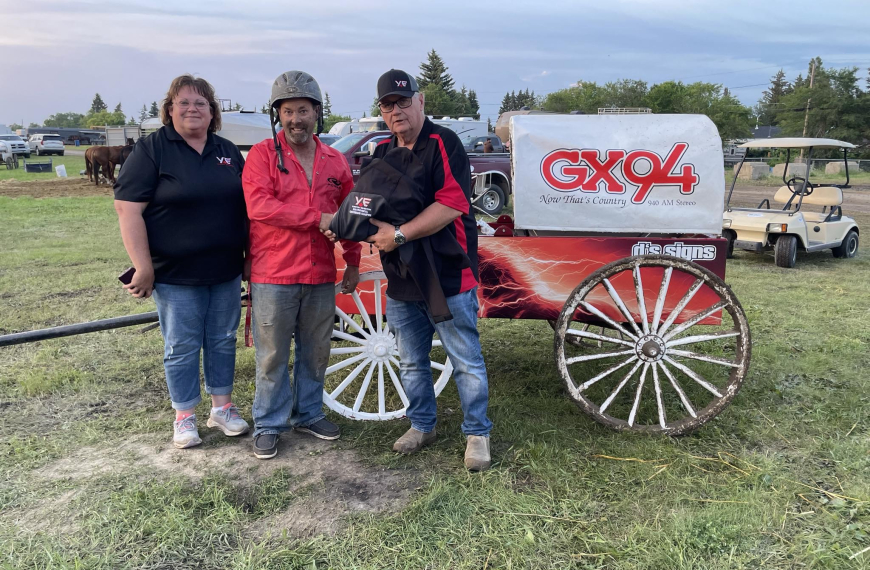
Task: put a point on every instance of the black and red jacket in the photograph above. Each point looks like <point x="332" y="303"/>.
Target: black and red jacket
<point x="447" y="180"/>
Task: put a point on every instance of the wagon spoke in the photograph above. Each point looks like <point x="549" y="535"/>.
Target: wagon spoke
<point x="585" y="357"/>
<point x="679" y="389"/>
<point x="662" y="420"/>
<point x="382" y="407"/>
<point x="346" y="350"/>
<point x="395" y="362"/>
<point x="613" y="394"/>
<point x="437" y="365"/>
<point x="397" y="384"/>
<point x="378" y="313"/>
<point x="641" y="302"/>
<point x="436" y="343"/>
<point x="633" y="412"/>
<point x="660" y="302"/>
<point x="589" y="307"/>
<point x="350" y="322"/>
<point x="600" y="338"/>
<point x="346" y="382"/>
<point x="345" y="363"/>
<point x="364" y="388"/>
<point x="348" y="337"/>
<point x="696" y="319"/>
<point x="702" y="338"/>
<point x="622" y="308"/>
<point x="680" y="306"/>
<point x="694" y="376"/>
<point x="606" y="373"/>
<point x="704" y="358"/>
<point x="362" y="309"/>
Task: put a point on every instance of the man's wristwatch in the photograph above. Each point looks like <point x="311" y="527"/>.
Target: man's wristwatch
<point x="400" y="237"/>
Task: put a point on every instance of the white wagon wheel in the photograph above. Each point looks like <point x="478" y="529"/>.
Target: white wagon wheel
<point x="657" y="376"/>
<point x="363" y="379"/>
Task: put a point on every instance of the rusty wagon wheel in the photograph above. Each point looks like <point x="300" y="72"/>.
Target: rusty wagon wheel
<point x="363" y="379"/>
<point x="682" y="355"/>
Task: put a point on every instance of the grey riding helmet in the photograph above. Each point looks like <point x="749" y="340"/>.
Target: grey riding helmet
<point x="293" y="85"/>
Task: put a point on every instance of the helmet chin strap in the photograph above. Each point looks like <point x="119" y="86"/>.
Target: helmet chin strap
<point x="278" y="150"/>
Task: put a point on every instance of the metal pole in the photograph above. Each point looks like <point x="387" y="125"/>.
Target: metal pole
<point x="81" y="328"/>
<point x="807" y="113"/>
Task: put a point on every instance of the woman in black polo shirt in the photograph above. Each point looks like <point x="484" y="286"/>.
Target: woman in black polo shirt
<point x="182" y="215"/>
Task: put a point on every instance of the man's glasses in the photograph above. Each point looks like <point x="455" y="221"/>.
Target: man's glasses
<point x="185" y="105"/>
<point x="402" y="103"/>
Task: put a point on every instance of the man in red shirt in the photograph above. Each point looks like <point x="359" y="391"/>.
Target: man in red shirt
<point x="293" y="185"/>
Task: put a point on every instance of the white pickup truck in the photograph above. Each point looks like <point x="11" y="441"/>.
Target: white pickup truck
<point x="15" y="145"/>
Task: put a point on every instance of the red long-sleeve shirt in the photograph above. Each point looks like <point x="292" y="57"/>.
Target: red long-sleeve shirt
<point x="286" y="245"/>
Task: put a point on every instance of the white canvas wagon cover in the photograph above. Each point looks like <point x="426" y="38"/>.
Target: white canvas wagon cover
<point x="626" y="173"/>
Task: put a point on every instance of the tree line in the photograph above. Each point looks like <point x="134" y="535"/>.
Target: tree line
<point x="827" y="102"/>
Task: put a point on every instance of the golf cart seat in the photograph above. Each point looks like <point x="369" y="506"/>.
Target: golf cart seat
<point x="822" y="196"/>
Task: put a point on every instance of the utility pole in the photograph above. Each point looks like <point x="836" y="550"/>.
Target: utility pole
<point x="807" y="113"/>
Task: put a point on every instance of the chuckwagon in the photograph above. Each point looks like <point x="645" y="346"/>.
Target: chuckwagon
<point x="616" y="241"/>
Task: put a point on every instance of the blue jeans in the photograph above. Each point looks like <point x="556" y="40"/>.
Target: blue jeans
<point x="194" y="318"/>
<point x="281" y="313"/>
<point x="413" y="326"/>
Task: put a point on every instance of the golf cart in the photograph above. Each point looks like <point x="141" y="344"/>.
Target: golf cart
<point x="789" y="227"/>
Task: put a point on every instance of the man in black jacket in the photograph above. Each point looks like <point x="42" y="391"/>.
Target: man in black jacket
<point x="447" y="215"/>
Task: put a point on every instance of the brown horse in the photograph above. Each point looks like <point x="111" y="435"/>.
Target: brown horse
<point x="105" y="158"/>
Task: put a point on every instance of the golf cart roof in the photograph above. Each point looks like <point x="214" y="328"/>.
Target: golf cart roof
<point x="796" y="142"/>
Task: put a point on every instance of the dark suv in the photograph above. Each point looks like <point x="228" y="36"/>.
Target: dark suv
<point x="474" y="143"/>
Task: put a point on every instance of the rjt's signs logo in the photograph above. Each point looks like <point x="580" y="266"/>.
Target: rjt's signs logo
<point x="401" y="83"/>
<point x="692" y="252"/>
<point x="567" y="170"/>
<point x="362" y="201"/>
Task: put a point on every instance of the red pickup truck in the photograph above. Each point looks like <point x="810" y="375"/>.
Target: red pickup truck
<point x="491" y="173"/>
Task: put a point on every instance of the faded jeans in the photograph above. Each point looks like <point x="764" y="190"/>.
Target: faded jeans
<point x="194" y="318"/>
<point x="280" y="314"/>
<point x="413" y="327"/>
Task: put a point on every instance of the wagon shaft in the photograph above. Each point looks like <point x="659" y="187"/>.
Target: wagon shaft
<point x="81" y="328"/>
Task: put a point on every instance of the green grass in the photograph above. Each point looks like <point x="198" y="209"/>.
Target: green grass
<point x="74" y="164"/>
<point x="761" y="486"/>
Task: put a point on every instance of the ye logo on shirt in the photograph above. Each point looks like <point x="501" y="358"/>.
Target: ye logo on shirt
<point x="225" y="161"/>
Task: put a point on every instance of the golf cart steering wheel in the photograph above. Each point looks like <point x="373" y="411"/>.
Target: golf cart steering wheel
<point x="795" y="187"/>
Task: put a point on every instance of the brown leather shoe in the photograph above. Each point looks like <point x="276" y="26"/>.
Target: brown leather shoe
<point x="413" y="441"/>
<point x="477" y="453"/>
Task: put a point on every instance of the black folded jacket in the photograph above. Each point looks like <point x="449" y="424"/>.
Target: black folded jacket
<point x="391" y="189"/>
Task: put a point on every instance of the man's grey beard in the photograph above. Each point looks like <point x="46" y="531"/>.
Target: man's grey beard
<point x="299" y="138"/>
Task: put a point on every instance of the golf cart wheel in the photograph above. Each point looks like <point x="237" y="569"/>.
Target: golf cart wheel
<point x="730" y="236"/>
<point x="849" y="247"/>
<point x="493" y="200"/>
<point x="363" y="376"/>
<point x="785" y="251"/>
<point x="683" y="354"/>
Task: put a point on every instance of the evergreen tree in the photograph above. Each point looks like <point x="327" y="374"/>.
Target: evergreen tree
<point x="375" y="110"/>
<point x="489" y="128"/>
<point x="155" y="111"/>
<point x="118" y="108"/>
<point x="505" y="104"/>
<point x="98" y="105"/>
<point x="327" y="107"/>
<point x="473" y="105"/>
<point x="434" y="71"/>
<point x="771" y="99"/>
<point x="143" y="114"/>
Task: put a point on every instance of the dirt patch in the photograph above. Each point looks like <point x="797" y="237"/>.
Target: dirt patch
<point x="330" y="481"/>
<point x="52" y="188"/>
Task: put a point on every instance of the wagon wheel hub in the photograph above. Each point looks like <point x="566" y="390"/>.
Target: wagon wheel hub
<point x="382" y="345"/>
<point x="650" y="348"/>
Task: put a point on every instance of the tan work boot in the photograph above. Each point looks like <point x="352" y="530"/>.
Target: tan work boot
<point x="477" y="453"/>
<point x="413" y="441"/>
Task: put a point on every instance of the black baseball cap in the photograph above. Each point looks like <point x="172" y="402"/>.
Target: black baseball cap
<point x="397" y="82"/>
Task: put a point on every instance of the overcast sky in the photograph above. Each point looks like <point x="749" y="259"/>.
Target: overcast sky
<point x="54" y="55"/>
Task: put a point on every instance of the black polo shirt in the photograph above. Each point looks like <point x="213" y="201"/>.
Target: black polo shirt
<point x="195" y="218"/>
<point x="447" y="181"/>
